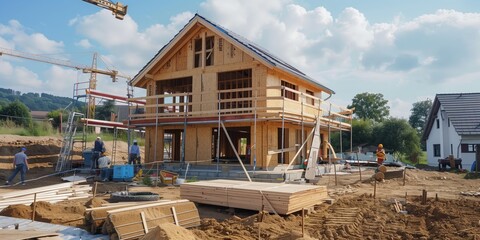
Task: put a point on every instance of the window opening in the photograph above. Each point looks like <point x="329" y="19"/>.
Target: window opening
<point x="309" y="99"/>
<point x="240" y="85"/>
<point x="198" y="52"/>
<point x="209" y="42"/>
<point x="287" y="93"/>
<point x="436" y="150"/>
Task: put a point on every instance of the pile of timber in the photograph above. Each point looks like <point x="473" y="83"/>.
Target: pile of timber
<point x="52" y="194"/>
<point x="277" y="198"/>
<point x="133" y="220"/>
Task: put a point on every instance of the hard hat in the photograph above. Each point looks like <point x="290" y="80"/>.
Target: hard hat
<point x="380" y="145"/>
<point x="135" y="140"/>
<point x="98" y="138"/>
<point x="24" y="149"/>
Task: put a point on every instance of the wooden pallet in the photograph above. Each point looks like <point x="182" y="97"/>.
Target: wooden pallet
<point x="278" y="198"/>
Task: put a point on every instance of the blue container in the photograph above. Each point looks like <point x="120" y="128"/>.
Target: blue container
<point x="87" y="158"/>
<point x="122" y="173"/>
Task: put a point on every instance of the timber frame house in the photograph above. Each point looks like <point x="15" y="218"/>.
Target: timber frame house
<point x="208" y="81"/>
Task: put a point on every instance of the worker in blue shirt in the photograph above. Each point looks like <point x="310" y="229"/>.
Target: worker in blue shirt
<point x="20" y="165"/>
<point x="134" y="156"/>
<point x="98" y="148"/>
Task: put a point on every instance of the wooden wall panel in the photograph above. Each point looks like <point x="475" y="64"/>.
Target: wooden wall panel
<point x="204" y="144"/>
<point x="191" y="144"/>
<point x="181" y="59"/>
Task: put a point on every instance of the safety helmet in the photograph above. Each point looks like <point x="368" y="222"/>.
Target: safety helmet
<point x="380" y="145"/>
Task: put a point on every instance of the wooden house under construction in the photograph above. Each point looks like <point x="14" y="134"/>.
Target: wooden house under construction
<point x="214" y="96"/>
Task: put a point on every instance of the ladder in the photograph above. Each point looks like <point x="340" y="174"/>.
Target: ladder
<point x="65" y="156"/>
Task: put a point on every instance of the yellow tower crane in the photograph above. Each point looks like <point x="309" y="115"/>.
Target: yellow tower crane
<point x="117" y="9"/>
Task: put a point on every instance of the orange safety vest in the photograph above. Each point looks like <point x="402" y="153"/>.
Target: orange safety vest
<point x="380" y="154"/>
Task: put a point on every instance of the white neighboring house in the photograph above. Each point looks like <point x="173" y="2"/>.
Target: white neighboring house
<point x="453" y="128"/>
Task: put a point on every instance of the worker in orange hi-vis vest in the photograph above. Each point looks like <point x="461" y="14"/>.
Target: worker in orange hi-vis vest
<point x="380" y="154"/>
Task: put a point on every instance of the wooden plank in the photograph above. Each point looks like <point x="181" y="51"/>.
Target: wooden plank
<point x="275" y="197"/>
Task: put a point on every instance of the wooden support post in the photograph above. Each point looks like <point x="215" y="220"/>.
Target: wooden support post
<point x="335" y="171"/>
<point x="404" y="175"/>
<point x="34" y="206"/>
<point x="436" y="197"/>
<point x="144" y="222"/>
<point x="405" y="198"/>
<point x="303" y="222"/>
<point x="95" y="189"/>
<point x="424" y="196"/>
<point x="175" y="216"/>
<point x="375" y="189"/>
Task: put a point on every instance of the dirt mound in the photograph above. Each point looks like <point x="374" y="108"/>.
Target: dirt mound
<point x="169" y="231"/>
<point x="95" y="202"/>
<point x="67" y="213"/>
<point x="17" y="211"/>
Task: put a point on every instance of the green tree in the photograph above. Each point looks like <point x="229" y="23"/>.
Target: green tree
<point x="397" y="135"/>
<point x="55" y="117"/>
<point x="370" y="106"/>
<point x="105" y="111"/>
<point x="362" y="131"/>
<point x="419" y="116"/>
<point x="18" y="113"/>
<point x="362" y="134"/>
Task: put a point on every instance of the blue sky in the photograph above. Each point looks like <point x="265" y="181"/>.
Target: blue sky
<point x="407" y="50"/>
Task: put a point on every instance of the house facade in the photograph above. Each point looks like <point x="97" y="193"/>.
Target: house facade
<point x="213" y="96"/>
<point x="453" y="128"/>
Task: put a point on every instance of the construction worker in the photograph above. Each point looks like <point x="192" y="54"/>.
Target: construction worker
<point x="134" y="156"/>
<point x="98" y="148"/>
<point x="20" y="164"/>
<point x="380" y="154"/>
<point x="104" y="165"/>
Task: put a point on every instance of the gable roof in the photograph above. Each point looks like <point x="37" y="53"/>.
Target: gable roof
<point x="247" y="46"/>
<point x="463" y="109"/>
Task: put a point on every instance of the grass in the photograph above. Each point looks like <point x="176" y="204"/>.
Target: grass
<point x="36" y="129"/>
<point x="46" y="129"/>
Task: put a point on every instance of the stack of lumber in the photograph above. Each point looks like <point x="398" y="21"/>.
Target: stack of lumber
<point x="134" y="221"/>
<point x="52" y="194"/>
<point x="95" y="217"/>
<point x="278" y="198"/>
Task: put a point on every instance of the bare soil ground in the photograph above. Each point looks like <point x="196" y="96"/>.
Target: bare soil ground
<point x="355" y="213"/>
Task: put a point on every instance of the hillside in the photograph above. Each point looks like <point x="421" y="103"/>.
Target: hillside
<point x="34" y="101"/>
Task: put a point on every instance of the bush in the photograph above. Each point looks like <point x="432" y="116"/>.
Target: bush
<point x="147" y="180"/>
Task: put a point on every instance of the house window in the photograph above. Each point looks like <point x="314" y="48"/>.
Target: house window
<point x="309" y="99"/>
<point x="438" y="123"/>
<point x="436" y="150"/>
<point x="198" y="53"/>
<point x="287" y="93"/>
<point x="468" y="148"/>
<point x="235" y="89"/>
<point x="209" y="50"/>
<point x="178" y="94"/>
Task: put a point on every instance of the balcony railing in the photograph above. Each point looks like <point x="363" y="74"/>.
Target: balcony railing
<point x="264" y="103"/>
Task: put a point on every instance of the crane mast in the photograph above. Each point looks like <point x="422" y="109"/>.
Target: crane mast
<point x="117" y="9"/>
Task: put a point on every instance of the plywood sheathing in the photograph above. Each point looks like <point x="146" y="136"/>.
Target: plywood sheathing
<point x="283" y="198"/>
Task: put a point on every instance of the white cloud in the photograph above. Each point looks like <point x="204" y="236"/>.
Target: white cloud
<point x="15" y="36"/>
<point x="84" y="43"/>
<point x="129" y="47"/>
